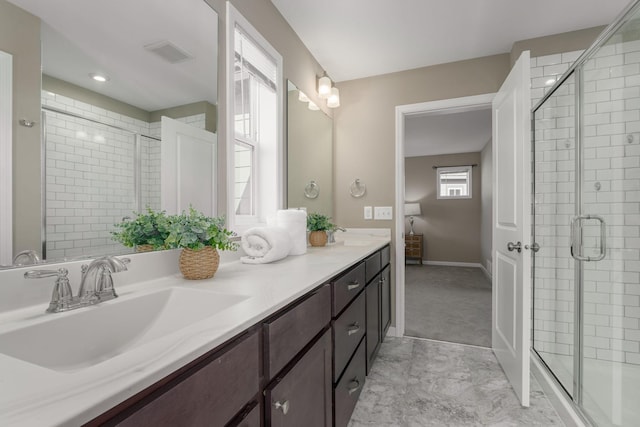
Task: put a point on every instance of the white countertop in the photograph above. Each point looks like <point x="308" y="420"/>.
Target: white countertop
<point x="31" y="395"/>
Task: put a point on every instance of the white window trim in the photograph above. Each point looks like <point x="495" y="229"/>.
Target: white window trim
<point x="234" y="17"/>
<point x="468" y="169"/>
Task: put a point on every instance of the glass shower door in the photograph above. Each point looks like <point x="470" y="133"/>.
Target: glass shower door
<point x="609" y="226"/>
<point x="554" y="205"/>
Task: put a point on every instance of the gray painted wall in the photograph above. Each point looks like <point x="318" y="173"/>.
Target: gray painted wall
<point x="486" y="205"/>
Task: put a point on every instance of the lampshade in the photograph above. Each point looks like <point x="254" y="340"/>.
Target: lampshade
<point x="324" y="87"/>
<point x="334" y="99"/>
<point x="302" y="97"/>
<point x="412" y="209"/>
<point x="312" y="106"/>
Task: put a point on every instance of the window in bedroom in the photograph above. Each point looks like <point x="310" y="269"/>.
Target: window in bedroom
<point x="454" y="182"/>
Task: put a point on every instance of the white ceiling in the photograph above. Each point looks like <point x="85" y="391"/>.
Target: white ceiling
<point x="353" y="39"/>
<point x="82" y="37"/>
<point x="435" y="134"/>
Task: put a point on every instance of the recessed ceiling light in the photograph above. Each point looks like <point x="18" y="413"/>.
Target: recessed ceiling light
<point x="99" y="77"/>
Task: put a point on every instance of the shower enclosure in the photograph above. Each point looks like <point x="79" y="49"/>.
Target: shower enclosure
<point x="586" y="273"/>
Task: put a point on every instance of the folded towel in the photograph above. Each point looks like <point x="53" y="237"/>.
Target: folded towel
<point x="295" y="221"/>
<point x="265" y="244"/>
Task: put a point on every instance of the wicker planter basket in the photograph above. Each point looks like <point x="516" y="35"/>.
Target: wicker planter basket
<point x="144" y="248"/>
<point x="199" y="264"/>
<point x="318" y="238"/>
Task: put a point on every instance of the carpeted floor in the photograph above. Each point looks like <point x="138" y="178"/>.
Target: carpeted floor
<point x="448" y="304"/>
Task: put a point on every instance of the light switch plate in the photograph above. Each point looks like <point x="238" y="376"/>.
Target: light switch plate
<point x="383" y="212"/>
<point x="368" y="212"/>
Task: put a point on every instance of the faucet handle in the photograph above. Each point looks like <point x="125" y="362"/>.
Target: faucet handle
<point x="62" y="296"/>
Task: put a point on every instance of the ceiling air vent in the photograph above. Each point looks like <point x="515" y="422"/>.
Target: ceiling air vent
<point x="169" y="51"/>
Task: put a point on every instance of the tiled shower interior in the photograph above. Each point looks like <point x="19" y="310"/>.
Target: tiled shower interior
<point x="99" y="168"/>
<point x="609" y="143"/>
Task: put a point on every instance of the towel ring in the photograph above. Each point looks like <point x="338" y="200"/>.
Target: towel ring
<point x="311" y="191"/>
<point x="357" y="189"/>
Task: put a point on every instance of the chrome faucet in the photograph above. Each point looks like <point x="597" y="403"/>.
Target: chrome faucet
<point x="26" y="257"/>
<point x="102" y="286"/>
<point x="89" y="293"/>
<point x="331" y="235"/>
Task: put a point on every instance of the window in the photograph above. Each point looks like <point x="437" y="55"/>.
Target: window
<point x="454" y="182"/>
<point x="255" y="114"/>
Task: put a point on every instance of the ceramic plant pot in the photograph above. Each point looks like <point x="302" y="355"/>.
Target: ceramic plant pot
<point x="196" y="264"/>
<point x="318" y="238"/>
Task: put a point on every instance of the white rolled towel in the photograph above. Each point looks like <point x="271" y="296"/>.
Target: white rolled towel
<point x="265" y="244"/>
<point x="295" y="221"/>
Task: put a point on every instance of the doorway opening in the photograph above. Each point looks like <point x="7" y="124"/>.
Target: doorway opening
<point x="447" y="163"/>
<point x="441" y="285"/>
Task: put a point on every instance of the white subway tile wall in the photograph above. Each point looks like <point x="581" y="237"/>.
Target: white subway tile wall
<point x="611" y="188"/>
<point x="89" y="175"/>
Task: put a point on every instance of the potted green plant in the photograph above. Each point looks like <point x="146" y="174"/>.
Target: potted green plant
<point x="318" y="225"/>
<point x="145" y="232"/>
<point x="200" y="237"/>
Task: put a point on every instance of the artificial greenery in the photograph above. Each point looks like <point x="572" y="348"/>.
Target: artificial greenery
<point x="194" y="230"/>
<point x="191" y="230"/>
<point x="319" y="222"/>
<point x="149" y="228"/>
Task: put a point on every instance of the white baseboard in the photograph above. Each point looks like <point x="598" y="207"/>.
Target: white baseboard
<point x="454" y="264"/>
<point x="486" y="272"/>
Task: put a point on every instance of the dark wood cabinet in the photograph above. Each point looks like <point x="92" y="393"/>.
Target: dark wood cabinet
<point x="209" y="394"/>
<point x="348" y="331"/>
<point x="373" y="320"/>
<point x="302" y="396"/>
<point x="348" y="389"/>
<point x="304" y="365"/>
<point x="385" y="300"/>
<point x="291" y="331"/>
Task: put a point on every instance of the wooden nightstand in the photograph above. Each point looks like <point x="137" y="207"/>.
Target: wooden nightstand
<point x="413" y="247"/>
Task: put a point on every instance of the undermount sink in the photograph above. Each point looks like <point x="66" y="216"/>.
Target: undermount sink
<point x="89" y="336"/>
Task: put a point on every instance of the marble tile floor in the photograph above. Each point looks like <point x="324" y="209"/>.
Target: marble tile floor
<point x="418" y="383"/>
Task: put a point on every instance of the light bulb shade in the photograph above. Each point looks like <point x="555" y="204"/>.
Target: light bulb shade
<point x="324" y="87"/>
<point x="302" y="97"/>
<point x="412" y="209"/>
<point x="334" y="99"/>
<point x="312" y="106"/>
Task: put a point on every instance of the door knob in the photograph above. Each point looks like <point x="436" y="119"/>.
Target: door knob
<point x="514" y="246"/>
<point x="534" y="247"/>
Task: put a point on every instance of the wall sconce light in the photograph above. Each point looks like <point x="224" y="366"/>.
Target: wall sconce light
<point x="312" y="106"/>
<point x="324" y="87"/>
<point x="334" y="98"/>
<point x="302" y="97"/>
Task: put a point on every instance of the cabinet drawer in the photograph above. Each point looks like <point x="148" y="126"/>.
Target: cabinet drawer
<point x="212" y="395"/>
<point x="348" y="330"/>
<point x="251" y="419"/>
<point x="385" y="256"/>
<point x="289" y="333"/>
<point x="303" y="396"/>
<point x="347" y="287"/>
<point x="372" y="263"/>
<point x="348" y="389"/>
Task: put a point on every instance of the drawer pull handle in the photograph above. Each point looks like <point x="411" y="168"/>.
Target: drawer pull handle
<point x="353" y="285"/>
<point x="354" y="385"/>
<point x="353" y="329"/>
<point x="283" y="406"/>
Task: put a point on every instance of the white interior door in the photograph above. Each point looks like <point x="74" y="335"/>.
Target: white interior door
<point x="188" y="161"/>
<point x="512" y="227"/>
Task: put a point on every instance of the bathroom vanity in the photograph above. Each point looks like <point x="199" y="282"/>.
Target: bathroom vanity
<point x="292" y="348"/>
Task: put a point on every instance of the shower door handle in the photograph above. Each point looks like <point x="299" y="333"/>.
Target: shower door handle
<point x="576" y="224"/>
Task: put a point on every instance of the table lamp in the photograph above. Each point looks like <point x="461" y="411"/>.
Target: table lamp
<point x="411" y="210"/>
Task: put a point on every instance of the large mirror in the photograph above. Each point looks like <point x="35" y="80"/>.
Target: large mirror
<point x="119" y="79"/>
<point x="310" y="155"/>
